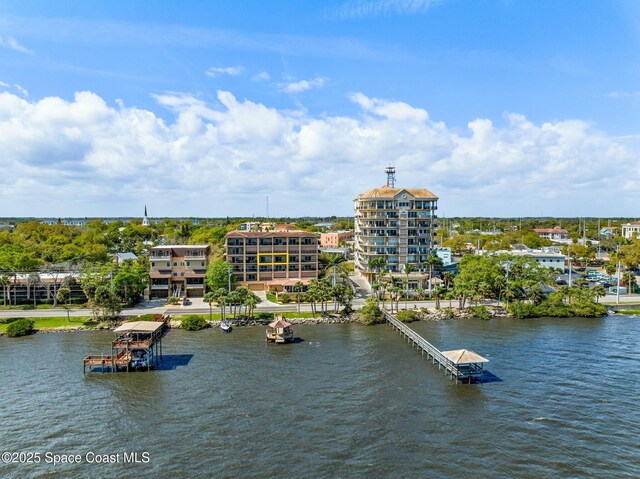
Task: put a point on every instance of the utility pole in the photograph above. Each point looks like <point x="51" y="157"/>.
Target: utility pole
<point x="618" y="288"/>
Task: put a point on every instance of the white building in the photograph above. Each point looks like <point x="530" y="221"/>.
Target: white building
<point x="555" y="233"/>
<point x="397" y="225"/>
<point x="631" y="230"/>
<point x="445" y="255"/>
<point x="145" y="219"/>
<point x="545" y="258"/>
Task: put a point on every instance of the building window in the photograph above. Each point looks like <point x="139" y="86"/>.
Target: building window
<point x="182" y="263"/>
<point x="188" y="263"/>
<point x="175" y="274"/>
<point x="202" y="263"/>
<point x="181" y="274"/>
<point x="168" y="264"/>
<point x="153" y="265"/>
<point x="175" y="263"/>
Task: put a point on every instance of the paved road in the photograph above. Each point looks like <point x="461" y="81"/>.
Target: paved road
<point x="201" y="308"/>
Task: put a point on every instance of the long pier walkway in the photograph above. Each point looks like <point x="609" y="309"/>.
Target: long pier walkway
<point x="459" y="365"/>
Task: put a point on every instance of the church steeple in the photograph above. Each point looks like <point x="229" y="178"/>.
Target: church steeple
<point x="145" y="219"/>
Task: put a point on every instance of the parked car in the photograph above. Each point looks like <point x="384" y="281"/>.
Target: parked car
<point x="186" y="302"/>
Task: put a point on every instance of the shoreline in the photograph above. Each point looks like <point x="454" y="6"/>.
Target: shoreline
<point x="444" y="314"/>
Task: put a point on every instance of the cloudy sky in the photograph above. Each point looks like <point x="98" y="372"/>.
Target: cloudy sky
<point x="198" y="108"/>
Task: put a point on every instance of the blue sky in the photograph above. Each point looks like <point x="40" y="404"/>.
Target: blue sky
<point x="502" y="108"/>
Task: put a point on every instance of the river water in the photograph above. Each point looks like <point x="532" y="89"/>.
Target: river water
<point x="563" y="401"/>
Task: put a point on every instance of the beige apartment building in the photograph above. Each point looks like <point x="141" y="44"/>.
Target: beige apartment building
<point x="334" y="239"/>
<point x="178" y="270"/>
<point x="264" y="260"/>
<point x="397" y="225"/>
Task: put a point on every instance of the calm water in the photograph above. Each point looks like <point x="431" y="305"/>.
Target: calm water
<point x="348" y="401"/>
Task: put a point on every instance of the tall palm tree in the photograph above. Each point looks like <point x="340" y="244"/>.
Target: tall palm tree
<point x="252" y="301"/>
<point x="210" y="298"/>
<point x="298" y="288"/>
<point x="599" y="291"/>
<point x="332" y="261"/>
<point x="221" y="296"/>
<point x="375" y="265"/>
<point x="432" y="261"/>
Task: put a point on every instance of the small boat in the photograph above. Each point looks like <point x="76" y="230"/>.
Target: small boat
<point x="226" y="327"/>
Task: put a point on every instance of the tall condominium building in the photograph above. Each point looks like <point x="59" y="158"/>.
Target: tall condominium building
<point x="178" y="270"/>
<point x="277" y="260"/>
<point x="395" y="224"/>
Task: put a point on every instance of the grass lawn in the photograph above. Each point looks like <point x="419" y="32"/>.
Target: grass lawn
<point x="27" y="307"/>
<point x="55" y="322"/>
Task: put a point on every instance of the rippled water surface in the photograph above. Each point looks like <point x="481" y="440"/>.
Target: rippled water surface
<point x="346" y="401"/>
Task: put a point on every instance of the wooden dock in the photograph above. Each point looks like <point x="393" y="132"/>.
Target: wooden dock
<point x="138" y="345"/>
<point x="459" y="365"/>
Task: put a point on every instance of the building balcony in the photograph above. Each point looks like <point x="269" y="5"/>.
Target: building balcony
<point x="199" y="257"/>
<point x="160" y="273"/>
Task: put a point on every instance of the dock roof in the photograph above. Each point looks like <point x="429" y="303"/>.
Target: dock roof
<point x="139" y="327"/>
<point x="279" y="323"/>
<point x="464" y="356"/>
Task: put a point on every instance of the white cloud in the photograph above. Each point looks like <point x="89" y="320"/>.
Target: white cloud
<point x="262" y="76"/>
<point x="89" y="158"/>
<point x="376" y="8"/>
<point x="13" y="44"/>
<point x="219" y="71"/>
<point x="19" y="88"/>
<point x="303" y="85"/>
<point x="633" y="95"/>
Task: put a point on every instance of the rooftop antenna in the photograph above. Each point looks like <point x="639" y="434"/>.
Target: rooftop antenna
<point x="391" y="176"/>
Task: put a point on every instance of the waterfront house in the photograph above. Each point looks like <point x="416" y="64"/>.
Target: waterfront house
<point x="178" y="270"/>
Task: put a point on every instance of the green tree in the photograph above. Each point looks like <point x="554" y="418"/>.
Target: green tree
<point x="371" y="313"/>
<point x="219" y="275"/>
<point x="64" y="297"/>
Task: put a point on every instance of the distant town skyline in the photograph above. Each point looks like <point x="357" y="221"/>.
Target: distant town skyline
<point x="501" y="108"/>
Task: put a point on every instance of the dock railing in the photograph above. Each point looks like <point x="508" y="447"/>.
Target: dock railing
<point x="427" y="348"/>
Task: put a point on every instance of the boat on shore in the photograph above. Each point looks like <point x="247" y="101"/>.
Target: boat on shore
<point x="225" y="326"/>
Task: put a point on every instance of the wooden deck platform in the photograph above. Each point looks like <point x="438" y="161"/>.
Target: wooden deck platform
<point x="464" y="366"/>
<point x="138" y="345"/>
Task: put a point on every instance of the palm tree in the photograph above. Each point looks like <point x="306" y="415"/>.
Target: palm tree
<point x="313" y="294"/>
<point x="4" y="282"/>
<point x="375" y="264"/>
<point x="566" y="293"/>
<point x="431" y="261"/>
<point x="210" y="298"/>
<point x="298" y="288"/>
<point x="221" y="296"/>
<point x="32" y="280"/>
<point x="599" y="291"/>
<point x="252" y="301"/>
<point x="332" y="261"/>
<point x="438" y="293"/>
<point x="408" y="269"/>
<point x="629" y="278"/>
